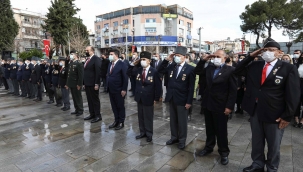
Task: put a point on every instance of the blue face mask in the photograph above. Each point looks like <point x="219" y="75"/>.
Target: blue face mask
<point x="111" y="58"/>
<point x="61" y="64"/>
<point x="177" y="59"/>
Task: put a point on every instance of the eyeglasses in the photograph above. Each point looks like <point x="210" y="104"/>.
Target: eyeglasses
<point x="269" y="49"/>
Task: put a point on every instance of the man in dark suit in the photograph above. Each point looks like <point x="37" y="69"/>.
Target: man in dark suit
<point x="19" y="78"/>
<point x="75" y="81"/>
<point x="123" y="59"/>
<point x="26" y="74"/>
<point x="48" y="80"/>
<point x="117" y="82"/>
<point x="132" y="73"/>
<point x="271" y="99"/>
<point x="156" y="63"/>
<point x="7" y="76"/>
<point x="36" y="79"/>
<point x="218" y="102"/>
<point x="180" y="93"/>
<point x="63" y="73"/>
<point x="13" y="76"/>
<point x="104" y="66"/>
<point x="148" y="90"/>
<point x="92" y="82"/>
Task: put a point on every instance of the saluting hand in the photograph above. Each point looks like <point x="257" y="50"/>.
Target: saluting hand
<point x="282" y="123"/>
<point x="227" y="111"/>
<point x="170" y="57"/>
<point x="257" y="52"/>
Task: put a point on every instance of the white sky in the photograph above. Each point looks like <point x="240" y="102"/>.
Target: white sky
<point x="219" y="18"/>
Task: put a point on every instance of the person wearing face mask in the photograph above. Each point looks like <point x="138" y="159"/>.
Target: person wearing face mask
<point x="21" y="84"/>
<point x="296" y="56"/>
<point x="202" y="78"/>
<point x="287" y="59"/>
<point x="123" y="59"/>
<point x="63" y="73"/>
<point x="26" y="73"/>
<point x="7" y="76"/>
<point x="43" y="68"/>
<point x="117" y="86"/>
<point x="132" y="71"/>
<point x="148" y="91"/>
<point x="271" y="99"/>
<point x="55" y="81"/>
<point x="180" y="92"/>
<point x="104" y="67"/>
<point x="155" y="63"/>
<point x="92" y="68"/>
<point x="36" y="79"/>
<point x="218" y="102"/>
<point x="235" y="60"/>
<point x="13" y="76"/>
<point x="47" y="72"/>
<point x="75" y="81"/>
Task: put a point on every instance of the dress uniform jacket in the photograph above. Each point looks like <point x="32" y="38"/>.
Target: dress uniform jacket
<point x="7" y="71"/>
<point x="75" y="74"/>
<point x="48" y="74"/>
<point x="180" y="89"/>
<point x="278" y="96"/>
<point x="13" y="71"/>
<point x="150" y="90"/>
<point x="55" y="75"/>
<point x="26" y="71"/>
<point x="63" y="73"/>
<point x="36" y="74"/>
<point x="221" y="90"/>
<point x="19" y="73"/>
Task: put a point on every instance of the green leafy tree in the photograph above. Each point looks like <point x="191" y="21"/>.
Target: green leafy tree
<point x="28" y="54"/>
<point x="60" y="21"/>
<point x="8" y="26"/>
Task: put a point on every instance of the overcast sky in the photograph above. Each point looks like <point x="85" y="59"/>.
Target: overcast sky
<point x="219" y="18"/>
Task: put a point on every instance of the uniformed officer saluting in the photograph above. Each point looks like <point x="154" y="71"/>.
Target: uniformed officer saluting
<point x="180" y="93"/>
<point x="148" y="90"/>
<point x="75" y="82"/>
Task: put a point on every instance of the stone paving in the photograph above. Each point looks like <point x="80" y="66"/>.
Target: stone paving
<point x="40" y="137"/>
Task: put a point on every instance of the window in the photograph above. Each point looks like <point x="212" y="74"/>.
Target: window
<point x="181" y="22"/>
<point x="98" y="27"/>
<point x="181" y="39"/>
<point x="151" y="9"/>
<point x="115" y="24"/>
<point x="188" y="32"/>
<point x="150" y="29"/>
<point x="26" y="19"/>
<point x="115" y="32"/>
<point x="106" y="25"/>
<point x="150" y="38"/>
<point x="106" y="33"/>
<point x="125" y="21"/>
<point x="106" y="41"/>
<point x="188" y="25"/>
<point x="181" y="31"/>
<point x="150" y="21"/>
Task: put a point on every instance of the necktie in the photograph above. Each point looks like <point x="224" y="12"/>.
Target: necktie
<point x="61" y="69"/>
<point x="143" y="75"/>
<point x="86" y="62"/>
<point x="264" y="73"/>
<point x="111" y="70"/>
<point x="176" y="71"/>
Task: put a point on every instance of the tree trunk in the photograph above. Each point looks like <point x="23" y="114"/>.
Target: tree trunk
<point x="63" y="51"/>
<point x="257" y="40"/>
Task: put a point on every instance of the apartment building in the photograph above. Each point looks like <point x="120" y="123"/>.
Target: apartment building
<point x="155" y="28"/>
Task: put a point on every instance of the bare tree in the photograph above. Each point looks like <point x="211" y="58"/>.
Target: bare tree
<point x="77" y="40"/>
<point x="151" y="49"/>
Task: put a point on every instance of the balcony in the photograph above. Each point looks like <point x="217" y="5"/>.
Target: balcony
<point x="146" y="25"/>
<point x="31" y="36"/>
<point x="115" y="28"/>
<point x="30" y="24"/>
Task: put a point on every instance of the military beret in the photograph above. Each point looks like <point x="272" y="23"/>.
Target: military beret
<point x="271" y="43"/>
<point x="145" y="54"/>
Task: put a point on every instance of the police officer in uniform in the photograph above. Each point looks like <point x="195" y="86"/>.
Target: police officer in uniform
<point x="62" y="83"/>
<point x="13" y="76"/>
<point x="36" y="79"/>
<point x="180" y="93"/>
<point x="148" y="90"/>
<point x="75" y="82"/>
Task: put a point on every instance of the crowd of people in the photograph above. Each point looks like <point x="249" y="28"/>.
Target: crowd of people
<point x="266" y="83"/>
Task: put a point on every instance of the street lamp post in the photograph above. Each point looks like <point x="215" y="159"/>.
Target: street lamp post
<point x="159" y="38"/>
<point x="199" y="33"/>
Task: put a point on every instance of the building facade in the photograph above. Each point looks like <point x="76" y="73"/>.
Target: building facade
<point x="30" y="34"/>
<point x="155" y="28"/>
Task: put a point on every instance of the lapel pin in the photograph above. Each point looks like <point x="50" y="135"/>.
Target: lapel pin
<point x="219" y="73"/>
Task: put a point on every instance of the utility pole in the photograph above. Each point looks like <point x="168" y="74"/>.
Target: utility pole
<point x="68" y="42"/>
<point x="126" y="47"/>
<point x="199" y="33"/>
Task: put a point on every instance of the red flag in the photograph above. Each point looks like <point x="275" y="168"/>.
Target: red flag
<point x="46" y="43"/>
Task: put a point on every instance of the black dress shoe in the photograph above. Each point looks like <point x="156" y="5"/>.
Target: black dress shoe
<point x="50" y="102"/>
<point x="181" y="145"/>
<point x="96" y="120"/>
<point x="63" y="108"/>
<point x="59" y="105"/>
<point x="149" y="139"/>
<point x="296" y="124"/>
<point x="79" y="113"/>
<point x="114" y="125"/>
<point x="120" y="126"/>
<point x="74" y="113"/>
<point x="140" y="136"/>
<point x="204" y="152"/>
<point x="224" y="160"/>
<point x="66" y="109"/>
<point x="170" y="142"/>
<point x="89" y="118"/>
<point x="253" y="169"/>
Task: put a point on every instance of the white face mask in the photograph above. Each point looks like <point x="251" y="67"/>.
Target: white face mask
<point x="71" y="57"/>
<point x="134" y="56"/>
<point x="111" y="58"/>
<point x="217" y="62"/>
<point x="296" y="56"/>
<point x="240" y="60"/>
<point x="268" y="56"/>
<point x="144" y="64"/>
<point x="212" y="60"/>
<point x="177" y="59"/>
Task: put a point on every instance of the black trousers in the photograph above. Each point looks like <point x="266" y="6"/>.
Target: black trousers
<point x="22" y="86"/>
<point x="178" y="122"/>
<point x="133" y="84"/>
<point x="16" y="86"/>
<point x="117" y="103"/>
<point x="93" y="101"/>
<point x="146" y="119"/>
<point x="49" y="91"/>
<point x="58" y="99"/>
<point x="216" y="127"/>
<point x="104" y="83"/>
<point x="5" y="83"/>
<point x="29" y="88"/>
<point x="77" y="98"/>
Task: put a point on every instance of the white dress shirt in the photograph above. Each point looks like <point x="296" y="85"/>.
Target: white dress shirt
<point x="146" y="71"/>
<point x="300" y="70"/>
<point x="270" y="67"/>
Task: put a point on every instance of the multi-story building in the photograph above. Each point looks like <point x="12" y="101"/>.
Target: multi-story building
<point x="30" y="34"/>
<point x="155" y="28"/>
